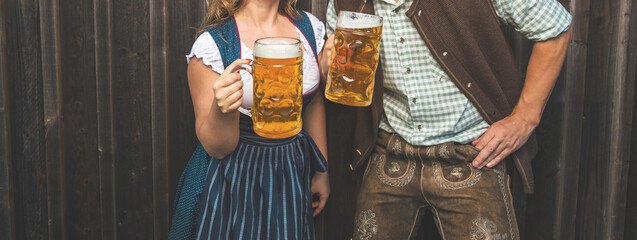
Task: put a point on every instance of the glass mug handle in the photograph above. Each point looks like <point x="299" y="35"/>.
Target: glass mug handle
<point x="247" y="68"/>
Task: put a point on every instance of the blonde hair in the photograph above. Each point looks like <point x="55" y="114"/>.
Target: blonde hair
<point x="220" y="10"/>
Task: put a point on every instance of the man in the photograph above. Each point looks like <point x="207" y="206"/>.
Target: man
<point x="449" y="106"/>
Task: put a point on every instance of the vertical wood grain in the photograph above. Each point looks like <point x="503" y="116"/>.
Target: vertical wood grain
<point x="79" y="109"/>
<point x="631" y="75"/>
<point x="573" y="97"/>
<point x="7" y="216"/>
<point x="319" y="7"/>
<point x="607" y="125"/>
<point x="631" y="199"/>
<point x="621" y="124"/>
<point x="104" y="101"/>
<point x="49" y="38"/>
<point x="27" y="134"/>
<point x="131" y="113"/>
<point x="158" y="81"/>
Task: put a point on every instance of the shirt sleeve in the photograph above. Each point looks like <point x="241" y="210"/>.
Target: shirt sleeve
<point x="206" y="49"/>
<point x="537" y="20"/>
<point x="330" y="18"/>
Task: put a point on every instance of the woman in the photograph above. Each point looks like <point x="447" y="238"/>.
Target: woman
<point x="238" y="185"/>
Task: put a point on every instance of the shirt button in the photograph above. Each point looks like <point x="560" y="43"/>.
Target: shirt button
<point x="413" y="100"/>
<point x="444" y="54"/>
<point x="402" y="40"/>
<point x="419" y="127"/>
<point x="408" y="70"/>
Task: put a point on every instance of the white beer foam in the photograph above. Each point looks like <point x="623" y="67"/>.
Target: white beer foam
<point x="354" y="20"/>
<point x="277" y="49"/>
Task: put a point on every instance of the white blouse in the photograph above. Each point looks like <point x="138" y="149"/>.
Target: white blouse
<point x="206" y="49"/>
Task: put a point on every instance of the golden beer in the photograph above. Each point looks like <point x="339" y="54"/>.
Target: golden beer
<point x="354" y="59"/>
<point x="278" y="87"/>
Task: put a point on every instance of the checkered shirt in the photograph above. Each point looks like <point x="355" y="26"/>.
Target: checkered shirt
<point x="421" y="103"/>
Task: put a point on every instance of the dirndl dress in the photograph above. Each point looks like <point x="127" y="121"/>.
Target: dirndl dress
<point x="262" y="189"/>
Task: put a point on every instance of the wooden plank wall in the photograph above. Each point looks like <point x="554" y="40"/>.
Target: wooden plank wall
<point x="96" y="123"/>
<point x="6" y="207"/>
<point x="96" y="117"/>
<point x="631" y="200"/>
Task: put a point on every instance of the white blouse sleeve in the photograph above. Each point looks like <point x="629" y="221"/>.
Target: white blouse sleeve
<point x="206" y="49"/>
<point x="319" y="31"/>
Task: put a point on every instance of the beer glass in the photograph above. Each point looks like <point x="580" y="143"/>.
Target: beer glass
<point x="354" y="59"/>
<point x="277" y="72"/>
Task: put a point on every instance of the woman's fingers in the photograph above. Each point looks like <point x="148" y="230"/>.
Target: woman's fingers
<point x="228" y="89"/>
<point x="227" y="95"/>
<point x="226" y="80"/>
<point x="320" y="204"/>
<point x="320" y="186"/>
<point x="237" y="102"/>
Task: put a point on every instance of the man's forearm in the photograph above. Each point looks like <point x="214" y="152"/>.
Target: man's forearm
<point x="544" y="67"/>
<point x="509" y="134"/>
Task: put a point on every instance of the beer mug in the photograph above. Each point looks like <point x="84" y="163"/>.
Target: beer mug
<point x="354" y="59"/>
<point x="277" y="72"/>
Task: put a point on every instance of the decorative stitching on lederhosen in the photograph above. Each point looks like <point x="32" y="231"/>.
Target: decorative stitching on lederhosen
<point x="395" y="148"/>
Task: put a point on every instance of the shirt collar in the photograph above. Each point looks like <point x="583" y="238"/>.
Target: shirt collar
<point x="393" y="3"/>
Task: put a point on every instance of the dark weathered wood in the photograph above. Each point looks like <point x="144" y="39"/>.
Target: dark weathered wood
<point x="631" y="199"/>
<point x="52" y="118"/>
<point x="606" y="137"/>
<point x="622" y="118"/>
<point x="319" y="7"/>
<point x="104" y="100"/>
<point x="79" y="108"/>
<point x="7" y="216"/>
<point x="158" y="82"/>
<point x="26" y="119"/>
<point x="631" y="75"/>
<point x="304" y="5"/>
<point x="132" y="122"/>
<point x="316" y="7"/>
